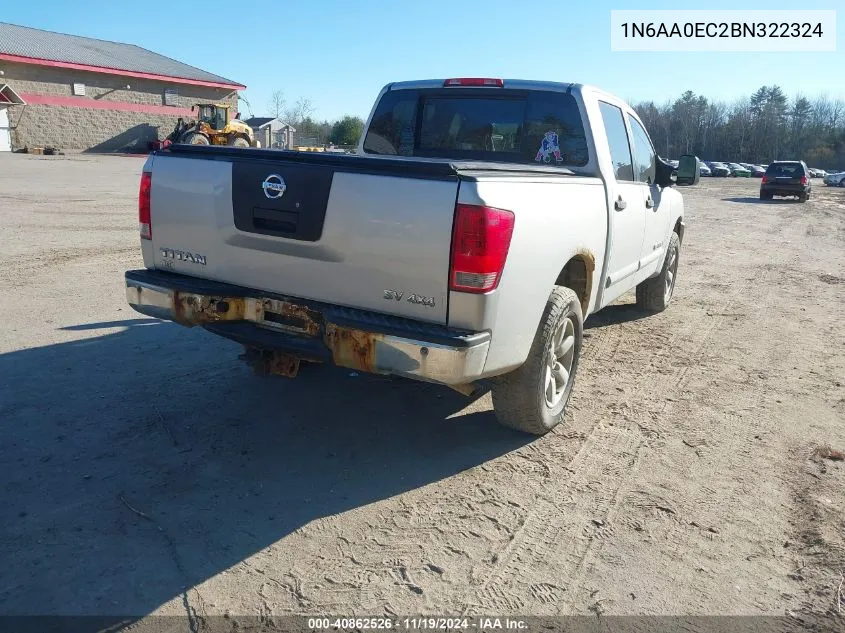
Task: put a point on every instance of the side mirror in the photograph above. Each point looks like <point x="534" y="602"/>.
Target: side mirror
<point x="689" y="170"/>
<point x="665" y="175"/>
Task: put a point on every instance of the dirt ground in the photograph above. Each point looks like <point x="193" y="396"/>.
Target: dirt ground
<point x="146" y="470"/>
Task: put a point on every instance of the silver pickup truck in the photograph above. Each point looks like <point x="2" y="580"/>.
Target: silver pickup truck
<point x="479" y="223"/>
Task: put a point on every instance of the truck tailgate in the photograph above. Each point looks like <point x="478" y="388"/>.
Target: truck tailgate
<point x="340" y="232"/>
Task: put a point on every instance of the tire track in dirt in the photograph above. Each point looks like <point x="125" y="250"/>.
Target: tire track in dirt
<point x="817" y="520"/>
<point x="22" y="271"/>
<point x="600" y="471"/>
<point x="652" y="513"/>
<point x="642" y="428"/>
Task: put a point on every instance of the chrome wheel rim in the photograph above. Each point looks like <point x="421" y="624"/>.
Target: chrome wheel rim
<point x="671" y="273"/>
<point x="559" y="359"/>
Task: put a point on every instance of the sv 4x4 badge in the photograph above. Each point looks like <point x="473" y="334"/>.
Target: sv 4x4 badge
<point x="396" y="295"/>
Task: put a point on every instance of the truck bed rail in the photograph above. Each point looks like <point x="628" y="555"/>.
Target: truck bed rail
<point x="408" y="167"/>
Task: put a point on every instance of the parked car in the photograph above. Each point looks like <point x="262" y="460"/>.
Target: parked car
<point x="757" y="171"/>
<point x="703" y="169"/>
<point x="786" y="178"/>
<point x="836" y="179"/>
<point x="674" y="163"/>
<point x="739" y="171"/>
<point x="298" y="256"/>
<point x="719" y="169"/>
<point x="817" y="173"/>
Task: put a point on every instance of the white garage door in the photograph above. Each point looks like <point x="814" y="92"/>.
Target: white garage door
<point x="5" y="132"/>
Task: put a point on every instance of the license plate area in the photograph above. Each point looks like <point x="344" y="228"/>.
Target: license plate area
<point x="288" y="317"/>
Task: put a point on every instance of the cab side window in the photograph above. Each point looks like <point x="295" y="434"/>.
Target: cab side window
<point x="617" y="140"/>
<point x="645" y="167"/>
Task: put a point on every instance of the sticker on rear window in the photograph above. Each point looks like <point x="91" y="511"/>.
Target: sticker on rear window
<point x="549" y="147"/>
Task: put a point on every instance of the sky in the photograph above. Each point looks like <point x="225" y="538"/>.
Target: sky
<point x="341" y="53"/>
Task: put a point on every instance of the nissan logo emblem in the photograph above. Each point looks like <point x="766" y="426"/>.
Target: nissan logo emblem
<point x="274" y="186"/>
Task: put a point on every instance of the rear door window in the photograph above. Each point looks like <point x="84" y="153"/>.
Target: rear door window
<point x="391" y="129"/>
<point x="507" y="126"/>
<point x="644" y="162"/>
<point x="617" y="140"/>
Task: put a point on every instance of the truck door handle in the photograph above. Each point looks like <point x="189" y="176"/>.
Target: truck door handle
<point x="649" y="203"/>
<point x="620" y="204"/>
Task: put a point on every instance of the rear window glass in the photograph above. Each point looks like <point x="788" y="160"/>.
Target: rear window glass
<point x="791" y="170"/>
<point x="506" y="126"/>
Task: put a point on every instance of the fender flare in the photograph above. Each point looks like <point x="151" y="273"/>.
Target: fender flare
<point x="678" y="222"/>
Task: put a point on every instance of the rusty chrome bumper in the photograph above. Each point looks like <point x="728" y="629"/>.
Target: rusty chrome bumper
<point x="354" y="339"/>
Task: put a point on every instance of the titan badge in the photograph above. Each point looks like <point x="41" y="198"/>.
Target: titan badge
<point x="170" y="255"/>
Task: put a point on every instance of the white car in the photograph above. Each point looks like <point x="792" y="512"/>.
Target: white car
<point x="835" y="180"/>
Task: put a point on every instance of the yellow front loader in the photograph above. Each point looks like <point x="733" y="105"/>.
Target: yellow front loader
<point x="213" y="127"/>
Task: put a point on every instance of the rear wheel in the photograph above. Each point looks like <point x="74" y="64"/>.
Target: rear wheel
<point x="765" y="196"/>
<point x="238" y="141"/>
<point x="842" y="183"/>
<point x="655" y="294"/>
<point x="533" y="398"/>
<point x="195" y="138"/>
<point x="803" y="197"/>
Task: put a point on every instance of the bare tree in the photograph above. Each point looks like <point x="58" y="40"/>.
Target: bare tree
<point x="277" y="102"/>
<point x="714" y="118"/>
<point x="303" y="109"/>
<point x="799" y="119"/>
<point x="688" y="111"/>
<point x="837" y="109"/>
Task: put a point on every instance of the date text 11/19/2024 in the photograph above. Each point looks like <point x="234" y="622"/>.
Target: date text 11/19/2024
<point x="417" y="624"/>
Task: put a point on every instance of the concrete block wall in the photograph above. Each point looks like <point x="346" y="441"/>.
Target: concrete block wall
<point x="110" y="127"/>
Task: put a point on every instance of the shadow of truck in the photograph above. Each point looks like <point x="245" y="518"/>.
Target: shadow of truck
<point x="140" y="463"/>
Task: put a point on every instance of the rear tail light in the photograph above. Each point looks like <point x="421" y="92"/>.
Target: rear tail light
<point x="474" y="81"/>
<point x="480" y="243"/>
<point x="144" y="222"/>
<point x="765" y="180"/>
<point x="803" y="180"/>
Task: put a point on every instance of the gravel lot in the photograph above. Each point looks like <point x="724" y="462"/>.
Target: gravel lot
<point x="147" y="471"/>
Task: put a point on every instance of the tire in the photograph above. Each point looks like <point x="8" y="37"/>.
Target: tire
<point x="766" y="196"/>
<point x="654" y="294"/>
<point x="842" y="183"/>
<point x="238" y="141"/>
<point x="803" y="198"/>
<point x="521" y="398"/>
<point x="195" y="138"/>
